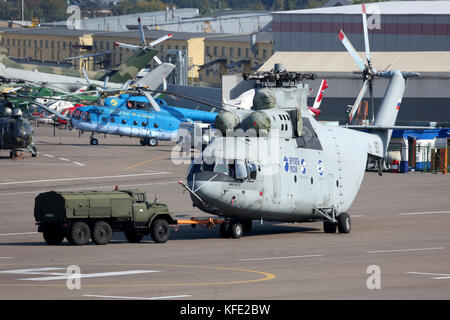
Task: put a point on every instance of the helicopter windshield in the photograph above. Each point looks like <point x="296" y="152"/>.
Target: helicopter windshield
<point x="237" y="169"/>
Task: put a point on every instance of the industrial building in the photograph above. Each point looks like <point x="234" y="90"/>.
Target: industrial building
<point x="46" y="45"/>
<point x="231" y="54"/>
<point x="412" y="36"/>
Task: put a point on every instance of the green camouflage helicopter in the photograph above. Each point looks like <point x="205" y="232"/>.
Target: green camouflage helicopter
<point x="16" y="132"/>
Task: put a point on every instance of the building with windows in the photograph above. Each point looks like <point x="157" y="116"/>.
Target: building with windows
<point x="46" y="45"/>
<point x="231" y="54"/>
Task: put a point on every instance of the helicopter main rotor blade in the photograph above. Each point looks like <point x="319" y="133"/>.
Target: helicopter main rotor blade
<point x="105" y="83"/>
<point x="126" y="46"/>
<point x="152" y="101"/>
<point x="357" y="101"/>
<point x="157" y="41"/>
<point x="43" y="106"/>
<point x="366" y="34"/>
<point x="346" y="42"/>
<point x="86" y="76"/>
<point x="372" y="104"/>
<point x="141" y="32"/>
<point x="188" y="98"/>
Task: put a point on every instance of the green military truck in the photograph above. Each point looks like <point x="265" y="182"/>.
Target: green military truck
<point x="80" y="216"/>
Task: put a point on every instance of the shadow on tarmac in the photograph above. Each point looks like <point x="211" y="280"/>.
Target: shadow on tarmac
<point x="189" y="233"/>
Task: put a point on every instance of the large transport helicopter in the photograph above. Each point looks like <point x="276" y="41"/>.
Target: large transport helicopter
<point x="137" y="114"/>
<point x="294" y="169"/>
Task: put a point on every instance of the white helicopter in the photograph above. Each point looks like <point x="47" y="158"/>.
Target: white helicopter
<point x="293" y="168"/>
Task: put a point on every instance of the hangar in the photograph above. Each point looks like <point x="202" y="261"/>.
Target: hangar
<point x="412" y="36"/>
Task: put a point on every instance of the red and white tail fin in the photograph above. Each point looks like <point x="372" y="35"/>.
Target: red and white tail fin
<point x="315" y="108"/>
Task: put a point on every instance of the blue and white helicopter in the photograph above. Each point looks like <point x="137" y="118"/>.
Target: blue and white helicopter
<point x="137" y="114"/>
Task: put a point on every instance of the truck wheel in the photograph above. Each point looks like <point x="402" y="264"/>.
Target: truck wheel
<point x="160" y="230"/>
<point x="102" y="233"/>
<point x="344" y="223"/>
<point x="53" y="237"/>
<point x="79" y="233"/>
<point x="133" y="236"/>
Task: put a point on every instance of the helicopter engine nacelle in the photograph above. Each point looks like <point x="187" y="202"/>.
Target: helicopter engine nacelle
<point x="284" y="124"/>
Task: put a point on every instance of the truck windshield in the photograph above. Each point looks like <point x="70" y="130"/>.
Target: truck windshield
<point x="139" y="197"/>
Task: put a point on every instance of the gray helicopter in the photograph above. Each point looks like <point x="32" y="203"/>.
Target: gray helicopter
<point x="291" y="168"/>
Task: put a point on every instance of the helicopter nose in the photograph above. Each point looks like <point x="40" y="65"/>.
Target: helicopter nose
<point x="205" y="185"/>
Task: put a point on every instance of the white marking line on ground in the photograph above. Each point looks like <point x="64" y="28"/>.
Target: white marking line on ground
<point x="90" y="188"/>
<point x="31" y="271"/>
<point x="439" y="276"/>
<point x="86" y="178"/>
<point x="34" y="164"/>
<point x="17" y="234"/>
<point x="6" y="257"/>
<point x="79" y="163"/>
<point x="419" y="213"/>
<point x="63" y="159"/>
<point x="289" y="257"/>
<point x="65" y="276"/>
<point x="406" y="250"/>
<point x="136" y="298"/>
<point x="49" y="155"/>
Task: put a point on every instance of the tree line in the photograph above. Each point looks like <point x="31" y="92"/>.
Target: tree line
<point x="55" y="10"/>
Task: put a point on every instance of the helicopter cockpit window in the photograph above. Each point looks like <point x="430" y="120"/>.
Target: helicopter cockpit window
<point x="252" y="170"/>
<point x="309" y="138"/>
<point x="241" y="170"/>
<point x="130" y="104"/>
<point x="142" y="105"/>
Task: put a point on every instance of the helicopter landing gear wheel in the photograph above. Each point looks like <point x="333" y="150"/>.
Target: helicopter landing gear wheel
<point x="329" y="227"/>
<point x="344" y="223"/>
<point x="33" y="151"/>
<point x="225" y="230"/>
<point x="236" y="230"/>
<point x="94" y="142"/>
<point x="153" y="142"/>
<point x="144" y="141"/>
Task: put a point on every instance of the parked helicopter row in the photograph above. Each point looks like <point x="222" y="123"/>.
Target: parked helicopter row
<point x="292" y="168"/>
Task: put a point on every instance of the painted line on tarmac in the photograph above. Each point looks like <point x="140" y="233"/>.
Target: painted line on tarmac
<point x="49" y="156"/>
<point x="146" y="161"/>
<point x="79" y="163"/>
<point x="289" y="257"/>
<point x="137" y="298"/>
<point x="64" y="159"/>
<point x="65" y="276"/>
<point x="438" y="276"/>
<point x="87" y="178"/>
<point x="264" y="276"/>
<point x="419" y="213"/>
<point x="17" y="234"/>
<point x="406" y="250"/>
<point x="6" y="257"/>
<point x="90" y="188"/>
